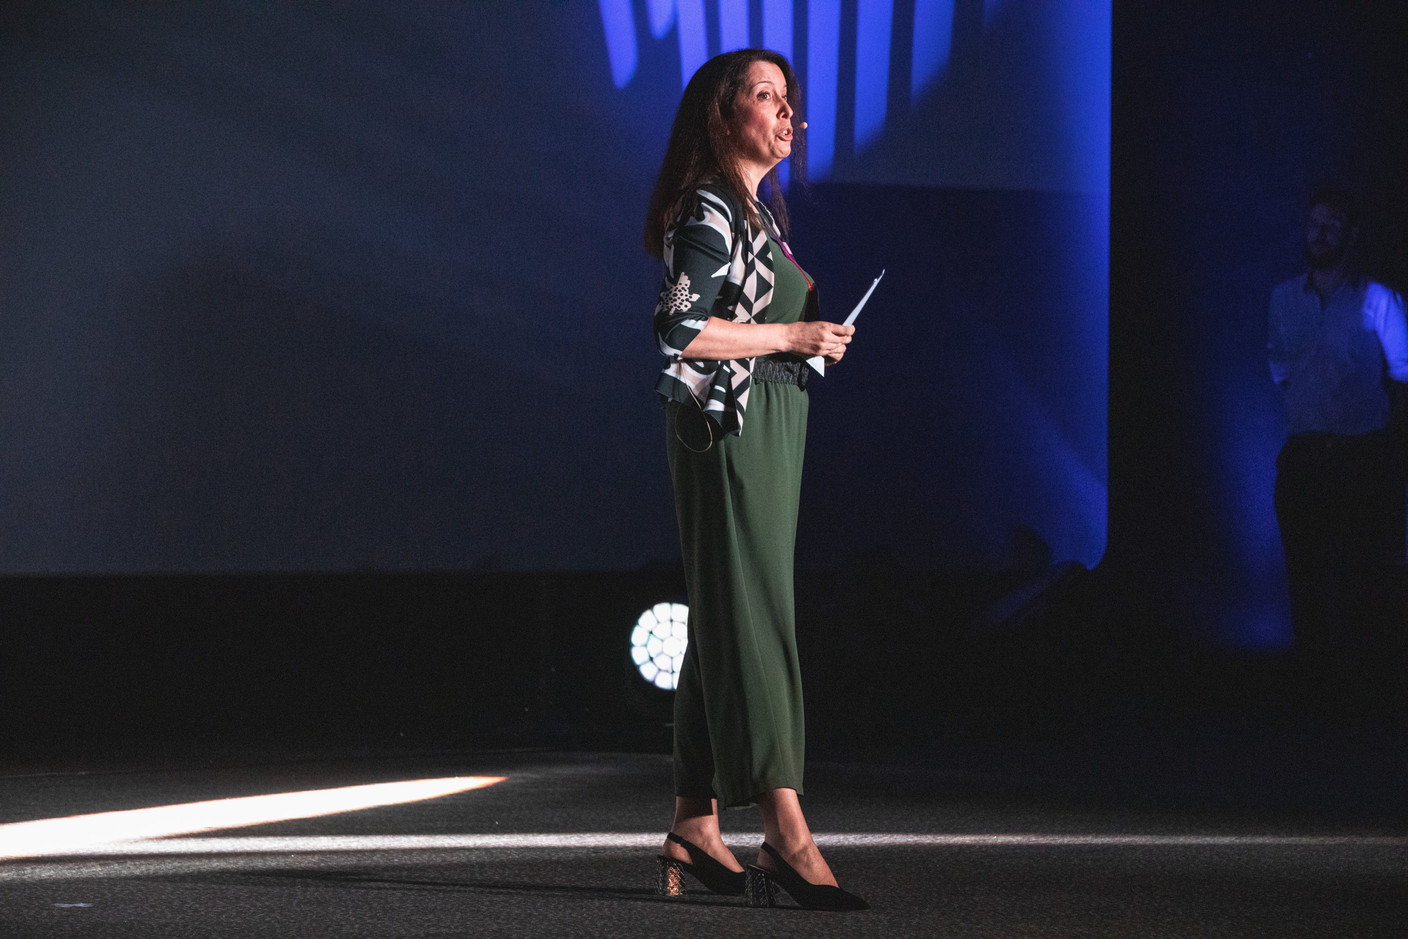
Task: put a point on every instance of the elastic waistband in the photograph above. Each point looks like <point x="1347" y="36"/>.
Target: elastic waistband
<point x="783" y="371"/>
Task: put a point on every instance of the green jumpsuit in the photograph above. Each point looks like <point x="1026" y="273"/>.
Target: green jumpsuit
<point x="738" y="707"/>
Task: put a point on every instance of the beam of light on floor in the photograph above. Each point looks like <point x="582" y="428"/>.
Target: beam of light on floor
<point x="333" y="844"/>
<point x="99" y="833"/>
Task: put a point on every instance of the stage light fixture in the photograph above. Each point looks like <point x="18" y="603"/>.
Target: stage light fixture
<point x="658" y="642"/>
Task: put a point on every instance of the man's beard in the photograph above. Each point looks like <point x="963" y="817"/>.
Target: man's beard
<point x="1325" y="260"/>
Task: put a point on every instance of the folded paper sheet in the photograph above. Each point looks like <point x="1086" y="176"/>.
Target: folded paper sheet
<point x="816" y="361"/>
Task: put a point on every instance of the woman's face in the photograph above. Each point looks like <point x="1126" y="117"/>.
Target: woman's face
<point x="762" y="120"/>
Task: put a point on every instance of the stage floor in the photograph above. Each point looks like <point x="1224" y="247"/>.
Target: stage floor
<point x="564" y="844"/>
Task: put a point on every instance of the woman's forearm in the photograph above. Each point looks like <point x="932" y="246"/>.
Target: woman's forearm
<point x="721" y="339"/>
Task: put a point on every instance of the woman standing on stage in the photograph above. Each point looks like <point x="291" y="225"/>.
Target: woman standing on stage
<point x="737" y="319"/>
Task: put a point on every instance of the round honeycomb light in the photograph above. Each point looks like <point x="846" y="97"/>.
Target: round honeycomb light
<point x="658" y="642"/>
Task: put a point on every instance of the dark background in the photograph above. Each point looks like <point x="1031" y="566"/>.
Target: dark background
<point x="326" y="368"/>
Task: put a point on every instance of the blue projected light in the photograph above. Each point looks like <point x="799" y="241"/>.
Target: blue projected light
<point x="662" y="16"/>
<point x="694" y="46"/>
<point x="620" y="40"/>
<point x="823" y="49"/>
<point x="777" y="24"/>
<point x="931" y="32"/>
<point x="933" y="35"/>
<point x="687" y="16"/>
<point x="733" y="25"/>
<point x="872" y="68"/>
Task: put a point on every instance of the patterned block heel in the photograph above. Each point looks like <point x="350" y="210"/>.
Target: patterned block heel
<point x="709" y="872"/>
<point x="669" y="881"/>
<point x="759" y="890"/>
<point x="808" y="895"/>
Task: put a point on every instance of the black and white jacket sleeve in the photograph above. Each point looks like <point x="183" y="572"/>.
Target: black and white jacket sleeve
<point x="716" y="264"/>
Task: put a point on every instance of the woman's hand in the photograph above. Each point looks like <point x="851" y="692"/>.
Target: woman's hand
<point x="817" y="337"/>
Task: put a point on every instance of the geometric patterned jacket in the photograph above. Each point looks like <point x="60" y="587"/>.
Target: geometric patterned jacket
<point x="716" y="264"/>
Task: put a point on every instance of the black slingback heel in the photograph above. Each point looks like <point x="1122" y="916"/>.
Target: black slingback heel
<point x="706" y="870"/>
<point x="761" y="888"/>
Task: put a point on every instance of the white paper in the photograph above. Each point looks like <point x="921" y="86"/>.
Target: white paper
<point x="816" y="361"/>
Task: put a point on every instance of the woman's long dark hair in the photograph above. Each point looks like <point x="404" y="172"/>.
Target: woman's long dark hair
<point x="701" y="150"/>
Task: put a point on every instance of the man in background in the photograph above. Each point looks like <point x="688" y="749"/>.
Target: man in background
<point x="1339" y="357"/>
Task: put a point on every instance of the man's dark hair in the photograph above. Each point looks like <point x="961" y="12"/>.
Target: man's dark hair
<point x="1338" y="198"/>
